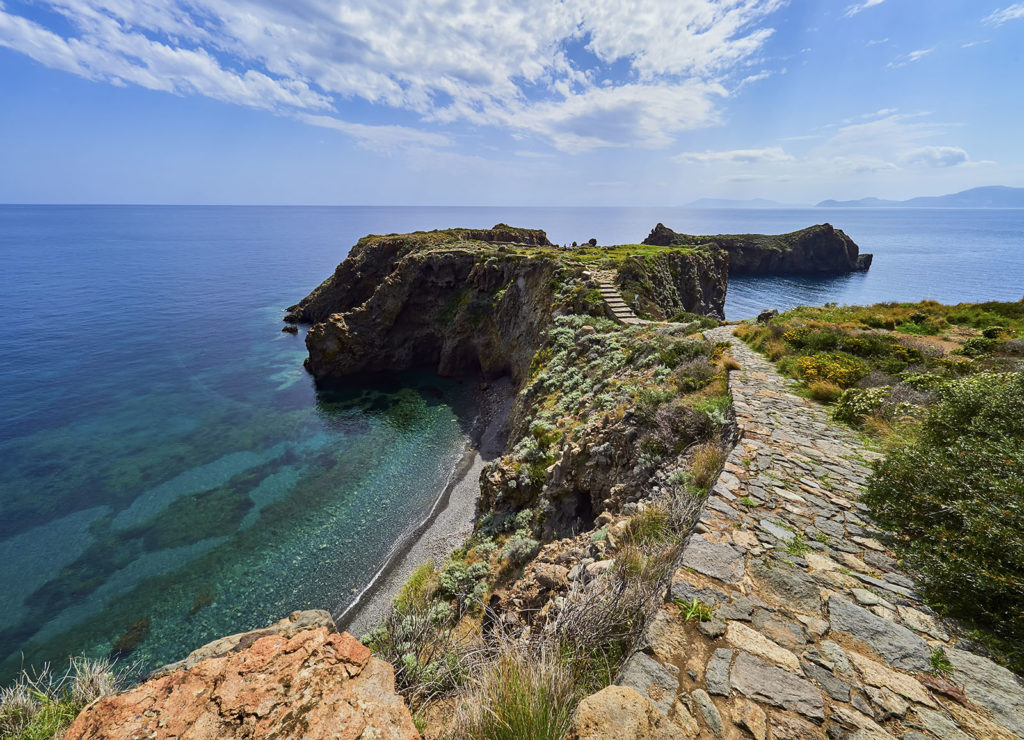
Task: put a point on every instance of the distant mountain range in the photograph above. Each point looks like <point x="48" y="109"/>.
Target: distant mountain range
<point x="995" y="196"/>
<point x="726" y="203"/>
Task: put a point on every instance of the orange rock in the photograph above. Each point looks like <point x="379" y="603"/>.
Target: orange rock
<point x="314" y="684"/>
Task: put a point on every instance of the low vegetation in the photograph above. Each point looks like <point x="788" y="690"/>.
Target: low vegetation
<point x="41" y="705"/>
<point x="942" y="388"/>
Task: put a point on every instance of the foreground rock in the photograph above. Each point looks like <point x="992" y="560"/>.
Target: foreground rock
<point x="816" y="250"/>
<point x="312" y="683"/>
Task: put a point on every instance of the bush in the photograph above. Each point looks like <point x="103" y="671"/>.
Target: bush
<point x="978" y="346"/>
<point x="839" y="369"/>
<point x="955" y="496"/>
<point x="520" y="549"/>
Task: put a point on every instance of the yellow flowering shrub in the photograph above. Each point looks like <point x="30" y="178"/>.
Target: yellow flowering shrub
<point x="838" y="369"/>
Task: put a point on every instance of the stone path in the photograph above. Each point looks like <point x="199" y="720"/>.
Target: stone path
<point x="816" y="631"/>
<point x="613" y="299"/>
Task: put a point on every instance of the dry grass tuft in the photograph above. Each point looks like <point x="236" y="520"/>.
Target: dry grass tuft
<point x="706" y="462"/>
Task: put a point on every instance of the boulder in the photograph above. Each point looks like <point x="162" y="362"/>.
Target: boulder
<point x="620" y="713"/>
<point x="315" y="684"/>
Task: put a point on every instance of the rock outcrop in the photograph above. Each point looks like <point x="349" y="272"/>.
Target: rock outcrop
<point x="816" y="250"/>
<point x="691" y="281"/>
<point x="466" y="302"/>
<point x="287" y="681"/>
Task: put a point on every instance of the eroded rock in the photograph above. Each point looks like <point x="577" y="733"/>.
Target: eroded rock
<point x="315" y="684"/>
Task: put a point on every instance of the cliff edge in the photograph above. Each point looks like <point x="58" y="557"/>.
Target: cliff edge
<point x="474" y="302"/>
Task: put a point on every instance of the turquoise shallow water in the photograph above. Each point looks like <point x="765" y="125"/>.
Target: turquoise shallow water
<point x="167" y="464"/>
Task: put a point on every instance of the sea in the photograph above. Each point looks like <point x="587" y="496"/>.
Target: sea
<point x="170" y="474"/>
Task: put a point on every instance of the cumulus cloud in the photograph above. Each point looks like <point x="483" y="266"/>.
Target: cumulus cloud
<point x="935" y="156"/>
<point x="858" y="7"/>
<point x="1011" y="13"/>
<point x="541" y="68"/>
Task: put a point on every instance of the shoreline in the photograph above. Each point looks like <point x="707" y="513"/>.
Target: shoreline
<point x="449" y="522"/>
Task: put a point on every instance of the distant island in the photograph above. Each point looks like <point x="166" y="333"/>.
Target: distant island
<point x="995" y="196"/>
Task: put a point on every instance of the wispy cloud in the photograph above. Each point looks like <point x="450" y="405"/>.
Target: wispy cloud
<point x="914" y="56"/>
<point x="1011" y="13"/>
<point x="736" y="156"/>
<point x="861" y="6"/>
<point x="883" y="141"/>
<point x="548" y="70"/>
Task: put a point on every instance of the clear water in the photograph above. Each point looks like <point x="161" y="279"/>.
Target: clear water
<point x="164" y="457"/>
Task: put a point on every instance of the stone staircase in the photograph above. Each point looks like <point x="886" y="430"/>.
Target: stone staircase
<point x="613" y="299"/>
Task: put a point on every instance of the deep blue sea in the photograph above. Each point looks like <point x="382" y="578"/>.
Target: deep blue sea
<point x="167" y="468"/>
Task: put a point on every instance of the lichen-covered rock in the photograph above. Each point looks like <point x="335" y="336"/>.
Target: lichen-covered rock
<point x="819" y="249"/>
<point x="315" y="684"/>
<point x="620" y="713"/>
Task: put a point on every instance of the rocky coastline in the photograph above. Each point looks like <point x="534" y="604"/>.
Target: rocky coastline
<point x="646" y="500"/>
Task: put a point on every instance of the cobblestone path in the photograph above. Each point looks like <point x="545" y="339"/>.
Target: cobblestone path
<point x="816" y="630"/>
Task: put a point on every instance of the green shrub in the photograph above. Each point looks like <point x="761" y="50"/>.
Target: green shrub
<point x="978" y="346"/>
<point x="955" y="494"/>
<point x="520" y="548"/>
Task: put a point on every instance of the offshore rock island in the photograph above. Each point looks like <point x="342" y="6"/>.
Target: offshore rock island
<point x="676" y="540"/>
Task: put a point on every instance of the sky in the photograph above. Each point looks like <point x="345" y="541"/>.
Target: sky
<point x="490" y="102"/>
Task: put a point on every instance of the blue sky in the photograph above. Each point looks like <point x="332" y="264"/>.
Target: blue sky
<point x="537" y="102"/>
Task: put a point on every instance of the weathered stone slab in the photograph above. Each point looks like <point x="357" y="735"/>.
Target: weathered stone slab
<point x="713" y="559"/>
<point x="651" y="679"/>
<point x="990" y="686"/>
<point x="786" y="585"/>
<point x="716" y="675"/>
<point x="763" y="682"/>
<point x="898" y="645"/>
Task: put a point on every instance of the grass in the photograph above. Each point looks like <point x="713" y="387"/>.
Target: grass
<point x="696" y="610"/>
<point x="706" y="463"/>
<point x="518" y="696"/>
<point x="798" y="545"/>
<point x="41" y="705"/>
<point x="940" y="662"/>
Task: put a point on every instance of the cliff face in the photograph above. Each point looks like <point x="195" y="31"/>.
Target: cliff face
<point x="816" y="250"/>
<point x="475" y="302"/>
<point x="455" y="301"/>
<point x="673" y="282"/>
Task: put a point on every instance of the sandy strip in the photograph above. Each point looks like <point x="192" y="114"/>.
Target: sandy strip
<point x="450" y="525"/>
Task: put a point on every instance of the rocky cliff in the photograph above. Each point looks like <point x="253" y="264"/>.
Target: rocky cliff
<point x="475" y="302"/>
<point x="816" y="250"/>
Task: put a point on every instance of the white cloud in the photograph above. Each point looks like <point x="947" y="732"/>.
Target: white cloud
<point x="884" y="141"/>
<point x="910" y="58"/>
<point x="736" y="156"/>
<point x="1011" y="13"/>
<point x="858" y="7"/>
<point x="536" y="68"/>
<point x="935" y="156"/>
